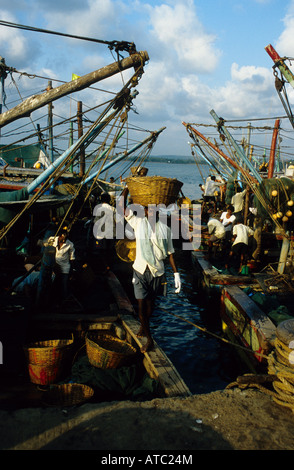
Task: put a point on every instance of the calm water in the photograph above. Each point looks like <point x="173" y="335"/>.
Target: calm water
<point x="187" y="173"/>
<point x="205" y="363"/>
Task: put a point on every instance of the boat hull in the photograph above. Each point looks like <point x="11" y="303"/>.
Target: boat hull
<point x="247" y="325"/>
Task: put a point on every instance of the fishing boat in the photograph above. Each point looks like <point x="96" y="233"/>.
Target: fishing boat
<point x="99" y="307"/>
<point x="254" y="304"/>
<point x="93" y="332"/>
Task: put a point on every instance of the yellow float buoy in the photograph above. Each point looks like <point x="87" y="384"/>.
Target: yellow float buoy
<point x="285" y="219"/>
<point x="290" y="203"/>
<point x="288" y="213"/>
<point x="274" y="192"/>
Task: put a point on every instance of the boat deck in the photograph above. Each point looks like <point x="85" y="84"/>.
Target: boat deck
<point x="113" y="309"/>
<point x="213" y="277"/>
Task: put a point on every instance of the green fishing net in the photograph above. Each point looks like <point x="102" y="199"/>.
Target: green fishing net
<point x="274" y="198"/>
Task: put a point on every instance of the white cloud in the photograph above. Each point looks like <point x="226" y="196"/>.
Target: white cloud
<point x="90" y="20"/>
<point x="12" y="41"/>
<point x="285" y="43"/>
<point x="179" y="30"/>
<point x="253" y="79"/>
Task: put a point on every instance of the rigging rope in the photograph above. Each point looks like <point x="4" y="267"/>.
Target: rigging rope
<point x="224" y="340"/>
<point x="116" y="103"/>
<point x="116" y="45"/>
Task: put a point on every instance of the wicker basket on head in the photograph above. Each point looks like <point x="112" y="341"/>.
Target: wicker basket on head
<point x="47" y="359"/>
<point x="67" y="394"/>
<point x="145" y="190"/>
<point x="106" y="351"/>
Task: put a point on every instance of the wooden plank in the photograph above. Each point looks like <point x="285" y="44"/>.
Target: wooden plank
<point x="157" y="363"/>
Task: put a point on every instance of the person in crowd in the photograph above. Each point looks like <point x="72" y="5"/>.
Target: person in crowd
<point x="28" y="283"/>
<point x="210" y="189"/>
<point x="238" y="203"/>
<point x="153" y="245"/>
<point x="240" y="237"/>
<point x="227" y="218"/>
<point x="216" y="231"/>
<point x="64" y="258"/>
<point x="104" y="230"/>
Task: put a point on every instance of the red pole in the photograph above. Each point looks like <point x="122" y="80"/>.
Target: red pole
<point x="235" y="165"/>
<point x="273" y="149"/>
<point x="272" y="53"/>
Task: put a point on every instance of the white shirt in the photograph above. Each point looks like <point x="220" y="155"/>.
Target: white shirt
<point x="64" y="255"/>
<point x="242" y="231"/>
<point x="211" y="186"/>
<point x="227" y="221"/>
<point x="140" y="263"/>
<point x="238" y="200"/>
<point x="216" y="228"/>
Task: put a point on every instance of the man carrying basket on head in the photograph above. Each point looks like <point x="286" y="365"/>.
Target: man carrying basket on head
<point x="153" y="245"/>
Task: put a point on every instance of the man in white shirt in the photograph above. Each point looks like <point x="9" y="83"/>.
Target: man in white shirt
<point x="216" y="231"/>
<point x="238" y="202"/>
<point x="227" y="218"/>
<point x="240" y="238"/>
<point x="64" y="256"/>
<point x="211" y="190"/>
<point x="153" y="245"/>
<point x="104" y="230"/>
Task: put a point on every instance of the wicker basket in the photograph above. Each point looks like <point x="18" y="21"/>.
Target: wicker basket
<point x="145" y="190"/>
<point x="107" y="352"/>
<point x="67" y="394"/>
<point x="48" y="359"/>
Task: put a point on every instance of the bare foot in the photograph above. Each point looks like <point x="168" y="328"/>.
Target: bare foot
<point x="140" y="333"/>
<point x="149" y="345"/>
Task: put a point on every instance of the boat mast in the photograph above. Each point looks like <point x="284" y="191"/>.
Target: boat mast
<point x="239" y="151"/>
<point x="271" y="164"/>
<point x="32" y="103"/>
<point x="280" y="63"/>
<point x="50" y="124"/>
<point x="222" y="154"/>
<point x="286" y="73"/>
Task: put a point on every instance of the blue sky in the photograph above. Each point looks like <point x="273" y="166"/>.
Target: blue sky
<point x="204" y="54"/>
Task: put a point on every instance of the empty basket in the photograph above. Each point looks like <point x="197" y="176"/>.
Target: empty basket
<point x="106" y="351"/>
<point x="67" y="394"/>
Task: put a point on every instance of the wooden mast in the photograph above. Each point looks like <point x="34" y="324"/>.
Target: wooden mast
<point x="37" y="101"/>
<point x="273" y="149"/>
<point x="80" y="133"/>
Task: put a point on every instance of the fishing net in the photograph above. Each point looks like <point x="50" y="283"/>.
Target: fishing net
<point x="274" y="198"/>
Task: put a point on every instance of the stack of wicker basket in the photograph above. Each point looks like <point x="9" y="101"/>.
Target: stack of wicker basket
<point x="145" y="190"/>
<point x="47" y="360"/>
